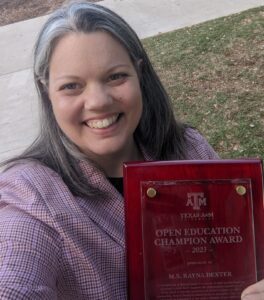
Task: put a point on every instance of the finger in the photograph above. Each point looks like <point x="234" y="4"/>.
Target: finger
<point x="254" y="292"/>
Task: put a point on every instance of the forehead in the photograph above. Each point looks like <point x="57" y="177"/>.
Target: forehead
<point x="95" y="46"/>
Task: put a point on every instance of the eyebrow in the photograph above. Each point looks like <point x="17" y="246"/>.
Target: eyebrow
<point x="118" y="66"/>
<point x="74" y="77"/>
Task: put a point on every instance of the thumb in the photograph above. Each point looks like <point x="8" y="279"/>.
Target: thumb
<point x="254" y="291"/>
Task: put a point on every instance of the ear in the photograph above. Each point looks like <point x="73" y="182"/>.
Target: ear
<point x="139" y="67"/>
<point x="140" y="64"/>
<point x="42" y="81"/>
<point x="44" y="84"/>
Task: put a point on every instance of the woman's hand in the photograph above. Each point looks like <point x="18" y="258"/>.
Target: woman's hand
<point x="254" y="291"/>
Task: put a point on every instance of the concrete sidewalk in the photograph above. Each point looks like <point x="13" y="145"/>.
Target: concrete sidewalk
<point x="18" y="99"/>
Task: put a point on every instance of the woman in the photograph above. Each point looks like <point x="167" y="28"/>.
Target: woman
<point x="61" y="208"/>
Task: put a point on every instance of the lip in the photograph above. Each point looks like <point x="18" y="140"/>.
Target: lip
<point x="101" y="117"/>
<point x="103" y="122"/>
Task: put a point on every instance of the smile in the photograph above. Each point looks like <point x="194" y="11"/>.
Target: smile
<point x="103" y="123"/>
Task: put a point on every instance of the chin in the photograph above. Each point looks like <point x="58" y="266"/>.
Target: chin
<point x="101" y="152"/>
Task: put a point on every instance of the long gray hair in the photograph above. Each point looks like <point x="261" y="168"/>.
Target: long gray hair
<point x="158" y="132"/>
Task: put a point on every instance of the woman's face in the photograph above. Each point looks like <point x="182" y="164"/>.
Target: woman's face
<point x="95" y="94"/>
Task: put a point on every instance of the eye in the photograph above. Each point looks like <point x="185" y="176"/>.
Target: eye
<point x="118" y="77"/>
<point x="70" y="86"/>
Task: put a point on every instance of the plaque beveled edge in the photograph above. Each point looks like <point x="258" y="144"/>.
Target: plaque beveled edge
<point x="251" y="167"/>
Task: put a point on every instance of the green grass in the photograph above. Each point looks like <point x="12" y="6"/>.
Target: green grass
<point x="214" y="73"/>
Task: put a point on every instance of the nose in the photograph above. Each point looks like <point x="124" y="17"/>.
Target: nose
<point x="96" y="97"/>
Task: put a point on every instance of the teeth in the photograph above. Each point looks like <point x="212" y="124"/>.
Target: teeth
<point x="102" y="123"/>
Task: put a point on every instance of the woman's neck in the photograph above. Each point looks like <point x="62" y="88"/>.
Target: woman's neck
<point x="113" y="164"/>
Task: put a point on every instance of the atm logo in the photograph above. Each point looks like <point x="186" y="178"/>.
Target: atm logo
<point x="196" y="200"/>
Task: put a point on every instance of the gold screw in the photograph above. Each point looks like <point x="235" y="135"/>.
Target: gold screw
<point x="241" y="190"/>
<point x="151" y="192"/>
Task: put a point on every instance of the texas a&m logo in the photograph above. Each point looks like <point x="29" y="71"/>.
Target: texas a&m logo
<point x="196" y="200"/>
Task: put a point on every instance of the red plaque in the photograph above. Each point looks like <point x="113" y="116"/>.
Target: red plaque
<point x="194" y="228"/>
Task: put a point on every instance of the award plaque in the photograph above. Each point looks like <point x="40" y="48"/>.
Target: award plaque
<point x="194" y="229"/>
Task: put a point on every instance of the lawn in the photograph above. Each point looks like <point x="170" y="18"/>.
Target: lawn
<point x="214" y="73"/>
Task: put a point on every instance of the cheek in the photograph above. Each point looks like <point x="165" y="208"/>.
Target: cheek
<point x="135" y="96"/>
<point x="67" y="121"/>
<point x="60" y="113"/>
<point x="63" y="110"/>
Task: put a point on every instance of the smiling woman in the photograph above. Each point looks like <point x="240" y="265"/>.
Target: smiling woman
<point x="96" y="98"/>
<point x="61" y="209"/>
